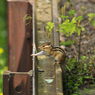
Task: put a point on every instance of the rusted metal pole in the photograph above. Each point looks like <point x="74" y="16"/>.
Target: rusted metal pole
<point x="20" y="36"/>
<point x="17" y="83"/>
<point x="35" y="79"/>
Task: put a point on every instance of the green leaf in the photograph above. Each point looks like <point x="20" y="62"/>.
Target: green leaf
<point x="91" y="16"/>
<point x="73" y="61"/>
<point x="90" y="61"/>
<point x="87" y="77"/>
<point x="73" y="41"/>
<point x="68" y="0"/>
<point x="78" y="31"/>
<point x="63" y="17"/>
<point x="50" y="26"/>
<point x="72" y="12"/>
<point x="74" y="20"/>
<point x="83" y="57"/>
<point x="66" y="43"/>
<point x="93" y="23"/>
<point x="85" y="65"/>
<point x="47" y="27"/>
<point x="67" y="68"/>
<point x="79" y="18"/>
<point x="87" y="90"/>
<point x="82" y="29"/>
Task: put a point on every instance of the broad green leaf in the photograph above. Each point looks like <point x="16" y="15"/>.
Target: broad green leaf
<point x="72" y="12"/>
<point x="62" y="16"/>
<point x="66" y="43"/>
<point x="68" y="0"/>
<point x="93" y="23"/>
<point x="91" y="16"/>
<point x="82" y="29"/>
<point x="90" y="61"/>
<point x="79" y="18"/>
<point x="83" y="57"/>
<point x="78" y="31"/>
<point x="47" y="27"/>
<point x="73" y="41"/>
<point x="74" y="20"/>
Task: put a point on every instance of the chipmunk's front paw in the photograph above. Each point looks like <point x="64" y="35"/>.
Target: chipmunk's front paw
<point x="56" y="62"/>
<point x="33" y="55"/>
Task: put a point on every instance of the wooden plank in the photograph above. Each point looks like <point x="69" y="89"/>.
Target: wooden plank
<point x="20" y="36"/>
<point x="58" y="72"/>
<point x="45" y="65"/>
<point x="17" y="83"/>
<point x="49" y="79"/>
<point x="55" y="21"/>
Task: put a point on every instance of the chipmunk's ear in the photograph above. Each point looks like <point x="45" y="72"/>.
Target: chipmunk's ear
<point x="49" y="43"/>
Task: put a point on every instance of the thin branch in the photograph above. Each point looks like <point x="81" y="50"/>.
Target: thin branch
<point x="87" y="23"/>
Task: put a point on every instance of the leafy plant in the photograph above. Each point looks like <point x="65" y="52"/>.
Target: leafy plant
<point x="72" y="12"/>
<point x="27" y="17"/>
<point x="68" y="0"/>
<point x="77" y="71"/>
<point x="66" y="43"/>
<point x="75" y="76"/>
<point x="49" y="28"/>
<point x="93" y="23"/>
<point x="70" y="26"/>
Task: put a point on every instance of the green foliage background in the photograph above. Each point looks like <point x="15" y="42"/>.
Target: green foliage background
<point x="3" y="40"/>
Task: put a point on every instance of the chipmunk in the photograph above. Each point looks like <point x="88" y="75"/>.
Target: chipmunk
<point x="56" y="52"/>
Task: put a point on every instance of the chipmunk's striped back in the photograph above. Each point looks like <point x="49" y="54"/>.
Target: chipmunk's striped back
<point x="58" y="49"/>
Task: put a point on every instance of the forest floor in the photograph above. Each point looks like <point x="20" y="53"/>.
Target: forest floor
<point x="87" y="43"/>
<point x="84" y="45"/>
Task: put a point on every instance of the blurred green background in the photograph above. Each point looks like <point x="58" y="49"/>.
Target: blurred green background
<point x="3" y="41"/>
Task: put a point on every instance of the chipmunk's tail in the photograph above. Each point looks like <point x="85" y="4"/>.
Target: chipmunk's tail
<point x="63" y="66"/>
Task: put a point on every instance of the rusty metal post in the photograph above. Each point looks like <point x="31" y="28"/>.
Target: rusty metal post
<point x="17" y="83"/>
<point x="20" y="36"/>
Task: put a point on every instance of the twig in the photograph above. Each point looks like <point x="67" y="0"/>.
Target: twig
<point x="75" y="50"/>
<point x="79" y="46"/>
<point x="86" y="23"/>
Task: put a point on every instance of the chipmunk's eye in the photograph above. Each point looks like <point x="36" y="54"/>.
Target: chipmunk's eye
<point x="43" y="45"/>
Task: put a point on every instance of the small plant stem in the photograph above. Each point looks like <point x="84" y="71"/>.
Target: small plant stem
<point x="63" y="10"/>
<point x="87" y="23"/>
<point x="75" y="51"/>
<point x="79" y="46"/>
